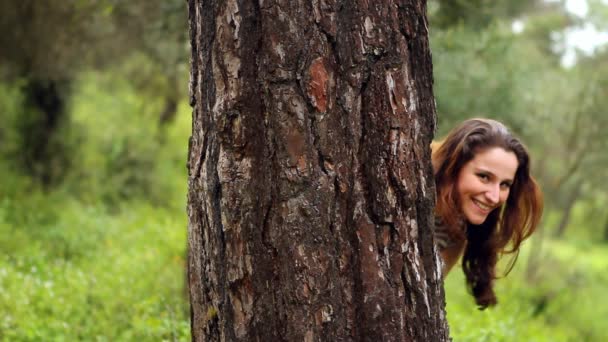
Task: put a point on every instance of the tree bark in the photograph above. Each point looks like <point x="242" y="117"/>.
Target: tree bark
<point x="311" y="194"/>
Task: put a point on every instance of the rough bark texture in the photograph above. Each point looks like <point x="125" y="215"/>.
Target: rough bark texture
<point x="310" y="184"/>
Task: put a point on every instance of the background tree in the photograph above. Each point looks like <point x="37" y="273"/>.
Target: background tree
<point x="45" y="84"/>
<point x="81" y="36"/>
<point x="310" y="183"/>
<point x="480" y="13"/>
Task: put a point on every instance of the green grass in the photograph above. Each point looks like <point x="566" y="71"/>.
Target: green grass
<point x="563" y="300"/>
<point x="101" y="256"/>
<point x="76" y="272"/>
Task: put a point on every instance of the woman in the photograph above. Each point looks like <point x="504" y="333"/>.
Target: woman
<point x="487" y="201"/>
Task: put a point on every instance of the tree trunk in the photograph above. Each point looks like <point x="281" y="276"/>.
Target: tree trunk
<point x="567" y="210"/>
<point x="606" y="230"/>
<point x="169" y="110"/>
<point x="42" y="151"/>
<point x="172" y="96"/>
<point x="535" y="256"/>
<point x="311" y="194"/>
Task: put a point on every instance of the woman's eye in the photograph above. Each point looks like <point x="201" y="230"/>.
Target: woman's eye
<point x="483" y="176"/>
<point x="505" y="185"/>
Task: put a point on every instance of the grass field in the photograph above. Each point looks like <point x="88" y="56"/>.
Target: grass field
<point x="101" y="257"/>
<point x="71" y="271"/>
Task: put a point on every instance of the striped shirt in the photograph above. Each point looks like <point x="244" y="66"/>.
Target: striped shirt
<point x="443" y="239"/>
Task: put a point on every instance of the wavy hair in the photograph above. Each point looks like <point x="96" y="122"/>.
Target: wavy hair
<point x="505" y="228"/>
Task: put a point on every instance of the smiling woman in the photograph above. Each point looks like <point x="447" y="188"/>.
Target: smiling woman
<point x="487" y="201"/>
<point x="483" y="184"/>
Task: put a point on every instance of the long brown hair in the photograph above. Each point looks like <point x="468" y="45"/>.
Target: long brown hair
<point x="505" y="228"/>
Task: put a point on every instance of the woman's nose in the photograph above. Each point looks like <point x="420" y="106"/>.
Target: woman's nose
<point x="493" y="194"/>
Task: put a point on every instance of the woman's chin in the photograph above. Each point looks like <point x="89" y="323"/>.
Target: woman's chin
<point x="475" y="215"/>
<point x="476" y="219"/>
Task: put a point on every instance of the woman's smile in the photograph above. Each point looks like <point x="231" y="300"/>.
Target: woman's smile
<point x="483" y="207"/>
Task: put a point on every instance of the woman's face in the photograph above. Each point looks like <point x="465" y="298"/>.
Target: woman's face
<point x="484" y="182"/>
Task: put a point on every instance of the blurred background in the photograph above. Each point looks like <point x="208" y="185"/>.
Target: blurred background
<point x="94" y="124"/>
<point x="541" y="67"/>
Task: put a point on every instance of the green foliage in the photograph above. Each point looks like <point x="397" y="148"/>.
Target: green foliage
<point x="11" y="100"/>
<point x="517" y="78"/>
<point x="76" y="35"/>
<point x="73" y="267"/>
<point x="467" y="84"/>
<point x="124" y="153"/>
<point x="560" y="301"/>
<point x="65" y="27"/>
<point x="118" y="156"/>
<point x="75" y="272"/>
<point x="109" y="146"/>
<point x="101" y="255"/>
<point x="484" y="69"/>
<point x="475" y="13"/>
<point x="35" y="135"/>
<point x="48" y="46"/>
<point x="598" y="13"/>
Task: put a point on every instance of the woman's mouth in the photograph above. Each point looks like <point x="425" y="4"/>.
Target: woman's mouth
<point x="483" y="206"/>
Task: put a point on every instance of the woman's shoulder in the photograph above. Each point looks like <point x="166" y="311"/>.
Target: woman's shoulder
<point x="443" y="238"/>
<point x="441" y="235"/>
<point x="449" y="247"/>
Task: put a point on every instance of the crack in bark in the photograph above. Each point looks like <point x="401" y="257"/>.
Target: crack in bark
<point x="355" y="261"/>
<point x="193" y="32"/>
<point x="201" y="160"/>
<point x="215" y="197"/>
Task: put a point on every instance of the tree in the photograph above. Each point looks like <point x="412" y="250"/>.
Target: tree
<point x="46" y="86"/>
<point x="79" y="36"/>
<point x="311" y="195"/>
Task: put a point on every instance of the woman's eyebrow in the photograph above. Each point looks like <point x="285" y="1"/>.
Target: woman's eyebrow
<point x="480" y="169"/>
